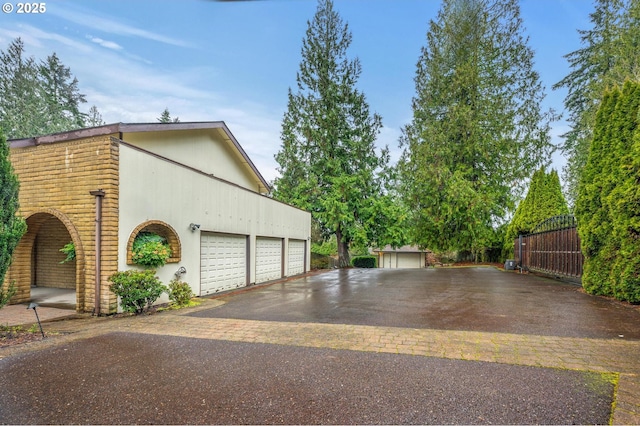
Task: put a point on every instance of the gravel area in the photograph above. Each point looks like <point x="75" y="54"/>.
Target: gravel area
<point x="127" y="378"/>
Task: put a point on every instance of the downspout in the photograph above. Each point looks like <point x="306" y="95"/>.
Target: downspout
<point x="99" y="194"/>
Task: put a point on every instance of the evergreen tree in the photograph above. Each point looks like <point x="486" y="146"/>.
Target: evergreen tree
<point x="37" y="99"/>
<point x="610" y="54"/>
<point x="608" y="198"/>
<point x="327" y="160"/>
<point x="477" y="130"/>
<point x="12" y="227"/>
<point x="94" y="118"/>
<point x="21" y="104"/>
<point x="544" y="200"/>
<point x="165" y="117"/>
<point x="61" y="96"/>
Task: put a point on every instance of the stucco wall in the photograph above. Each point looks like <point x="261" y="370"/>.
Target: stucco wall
<point x="154" y="189"/>
<point x="55" y="180"/>
<point x="204" y="150"/>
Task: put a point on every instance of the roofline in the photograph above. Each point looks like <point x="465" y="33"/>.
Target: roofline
<point x="120" y="128"/>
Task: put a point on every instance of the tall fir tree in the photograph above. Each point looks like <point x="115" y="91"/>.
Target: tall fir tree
<point x="328" y="161"/>
<point x="12" y="226"/>
<point x="610" y="53"/>
<point x="478" y="130"/>
<point x="61" y="95"/>
<point x="37" y="99"/>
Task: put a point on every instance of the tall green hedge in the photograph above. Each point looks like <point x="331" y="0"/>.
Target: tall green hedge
<point x="608" y="202"/>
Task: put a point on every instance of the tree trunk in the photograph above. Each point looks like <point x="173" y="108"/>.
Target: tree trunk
<point x="343" y="250"/>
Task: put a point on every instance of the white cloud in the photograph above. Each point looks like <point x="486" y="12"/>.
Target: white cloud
<point x="104" y="43"/>
<point x="35" y="37"/>
<point x="114" y="26"/>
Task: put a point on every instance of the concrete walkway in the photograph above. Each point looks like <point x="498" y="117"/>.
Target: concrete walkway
<point x="600" y="355"/>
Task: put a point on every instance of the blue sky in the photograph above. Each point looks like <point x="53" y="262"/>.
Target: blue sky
<point x="235" y="61"/>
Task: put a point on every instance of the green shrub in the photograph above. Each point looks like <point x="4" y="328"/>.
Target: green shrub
<point x="180" y="292"/>
<point x="137" y="289"/>
<point x="70" y="251"/>
<point x="150" y="250"/>
<point x="319" y="261"/>
<point x="6" y="294"/>
<point x="364" y="262"/>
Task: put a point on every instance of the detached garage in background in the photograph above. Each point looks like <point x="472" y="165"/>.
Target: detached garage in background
<point x="401" y="257"/>
<point x="190" y="183"/>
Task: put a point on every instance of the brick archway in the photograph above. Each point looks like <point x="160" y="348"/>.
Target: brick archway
<point x="24" y="265"/>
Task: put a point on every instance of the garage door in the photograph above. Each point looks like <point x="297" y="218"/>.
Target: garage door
<point x="268" y="259"/>
<point x="223" y="262"/>
<point x="409" y="260"/>
<point x="296" y="257"/>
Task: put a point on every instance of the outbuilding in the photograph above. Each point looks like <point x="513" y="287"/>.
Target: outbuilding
<point x="190" y="183"/>
<point x="402" y="257"/>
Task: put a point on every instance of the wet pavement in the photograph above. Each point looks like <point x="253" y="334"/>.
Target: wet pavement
<point x="234" y="360"/>
<point x="473" y="299"/>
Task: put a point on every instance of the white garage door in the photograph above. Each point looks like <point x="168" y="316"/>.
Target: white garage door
<point x="409" y="260"/>
<point x="268" y="259"/>
<point x="296" y="257"/>
<point x="223" y="262"/>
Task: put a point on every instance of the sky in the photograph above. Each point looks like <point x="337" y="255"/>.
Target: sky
<point x="234" y="61"/>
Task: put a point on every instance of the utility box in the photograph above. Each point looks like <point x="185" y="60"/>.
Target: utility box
<point x="510" y="265"/>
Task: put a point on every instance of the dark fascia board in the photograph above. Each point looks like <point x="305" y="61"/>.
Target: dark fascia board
<point x="121" y="128"/>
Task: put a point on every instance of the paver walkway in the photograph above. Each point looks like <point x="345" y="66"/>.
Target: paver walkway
<point x="601" y="355"/>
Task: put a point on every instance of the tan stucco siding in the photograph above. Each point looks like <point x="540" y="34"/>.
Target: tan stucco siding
<point x="155" y="189"/>
<point x="200" y="149"/>
<point x="55" y="180"/>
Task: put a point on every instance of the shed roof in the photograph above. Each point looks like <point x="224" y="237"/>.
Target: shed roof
<point x="403" y="249"/>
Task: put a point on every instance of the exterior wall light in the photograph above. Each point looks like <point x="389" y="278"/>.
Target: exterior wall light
<point x="194" y="227"/>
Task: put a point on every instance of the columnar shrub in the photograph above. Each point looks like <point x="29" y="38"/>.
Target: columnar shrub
<point x="608" y="203"/>
<point x="137" y="289"/>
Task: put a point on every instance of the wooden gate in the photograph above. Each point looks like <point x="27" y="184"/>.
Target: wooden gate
<point x="553" y="248"/>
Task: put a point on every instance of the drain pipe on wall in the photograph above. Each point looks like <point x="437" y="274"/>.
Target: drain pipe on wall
<point x="99" y="194"/>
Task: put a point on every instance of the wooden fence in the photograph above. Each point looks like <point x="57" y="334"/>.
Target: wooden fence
<point x="553" y="248"/>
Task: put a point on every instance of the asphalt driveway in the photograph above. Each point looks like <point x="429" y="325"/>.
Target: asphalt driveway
<point x="443" y="346"/>
<point x="474" y="299"/>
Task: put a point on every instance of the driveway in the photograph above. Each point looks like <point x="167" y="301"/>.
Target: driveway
<point x="341" y="347"/>
<point x="473" y="299"/>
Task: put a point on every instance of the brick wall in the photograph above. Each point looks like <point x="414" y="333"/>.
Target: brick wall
<point x="55" y="180"/>
<point x="48" y="271"/>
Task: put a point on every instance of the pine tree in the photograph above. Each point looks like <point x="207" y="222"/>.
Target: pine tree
<point x="477" y="130"/>
<point x="328" y="161"/>
<point x="12" y="227"/>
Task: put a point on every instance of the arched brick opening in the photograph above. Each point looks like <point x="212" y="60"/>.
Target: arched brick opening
<point x="33" y="262"/>
<point x="164" y="230"/>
